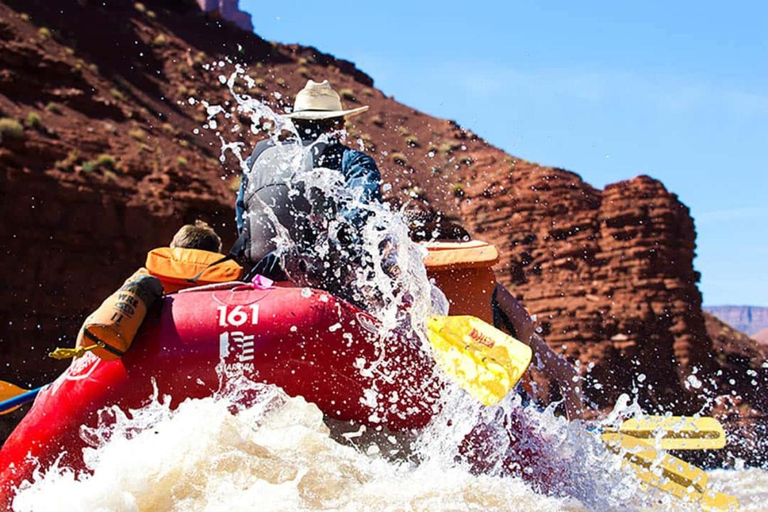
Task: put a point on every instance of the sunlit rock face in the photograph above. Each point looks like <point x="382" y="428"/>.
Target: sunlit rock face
<point x="228" y="10"/>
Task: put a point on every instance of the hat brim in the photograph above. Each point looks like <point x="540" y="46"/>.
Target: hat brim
<point x="325" y="114"/>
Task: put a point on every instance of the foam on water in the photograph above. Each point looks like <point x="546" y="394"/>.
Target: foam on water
<point x="275" y="454"/>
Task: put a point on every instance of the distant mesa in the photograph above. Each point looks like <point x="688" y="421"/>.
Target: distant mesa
<point x="228" y="10"/>
<point x="750" y="320"/>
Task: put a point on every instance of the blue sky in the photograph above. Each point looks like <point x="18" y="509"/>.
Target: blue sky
<point x="610" y="90"/>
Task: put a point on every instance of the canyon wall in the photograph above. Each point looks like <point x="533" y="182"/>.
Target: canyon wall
<point x="110" y="157"/>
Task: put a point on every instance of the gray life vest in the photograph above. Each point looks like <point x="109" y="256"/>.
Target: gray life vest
<point x="276" y="203"/>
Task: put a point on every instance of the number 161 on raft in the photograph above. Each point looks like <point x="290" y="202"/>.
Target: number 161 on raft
<point x="235" y="316"/>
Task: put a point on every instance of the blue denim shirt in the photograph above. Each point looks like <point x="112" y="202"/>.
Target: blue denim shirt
<point x="359" y="171"/>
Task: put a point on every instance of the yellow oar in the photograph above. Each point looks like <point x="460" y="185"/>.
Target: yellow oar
<point x="485" y="362"/>
<point x="668" y="473"/>
<point x="676" y="432"/>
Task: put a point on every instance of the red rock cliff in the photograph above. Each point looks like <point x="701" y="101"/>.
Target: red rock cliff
<point x="105" y="165"/>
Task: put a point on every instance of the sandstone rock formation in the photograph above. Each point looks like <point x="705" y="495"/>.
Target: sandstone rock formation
<point x="228" y="10"/>
<point x="747" y="319"/>
<point x="112" y="158"/>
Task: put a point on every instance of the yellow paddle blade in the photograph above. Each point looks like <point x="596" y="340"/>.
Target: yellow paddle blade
<point x="484" y="361"/>
<point x="718" y="501"/>
<point x="677" y="432"/>
<point x="668" y="473"/>
<point x="8" y="391"/>
<point x="642" y="453"/>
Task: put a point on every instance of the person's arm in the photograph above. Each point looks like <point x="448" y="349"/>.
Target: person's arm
<point x="240" y="204"/>
<point x="552" y="365"/>
<point x="362" y="177"/>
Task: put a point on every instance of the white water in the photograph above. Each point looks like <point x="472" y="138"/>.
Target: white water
<point x="276" y="452"/>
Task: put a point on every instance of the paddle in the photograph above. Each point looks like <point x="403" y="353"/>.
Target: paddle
<point x="12" y="397"/>
<point x="668" y="473"/>
<point x="675" y="432"/>
<point x="487" y="363"/>
<point x="483" y="360"/>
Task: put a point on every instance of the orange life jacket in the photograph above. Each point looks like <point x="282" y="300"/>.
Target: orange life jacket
<point x="463" y="271"/>
<point x="175" y="267"/>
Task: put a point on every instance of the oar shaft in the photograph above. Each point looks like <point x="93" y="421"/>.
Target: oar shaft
<point x="19" y="400"/>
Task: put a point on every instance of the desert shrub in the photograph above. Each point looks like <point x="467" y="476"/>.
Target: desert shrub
<point x="377" y="120"/>
<point x="24" y="16"/>
<point x="140" y="7"/>
<point x="137" y="134"/>
<point x="403" y="131"/>
<point x="69" y="162"/>
<point x="234" y="183"/>
<point x="412" y="141"/>
<point x="10" y="129"/>
<point x="181" y="161"/>
<point x="458" y="190"/>
<point x="415" y="192"/>
<point x="159" y="41"/>
<point x="302" y="61"/>
<point x="33" y="121"/>
<point x="466" y="160"/>
<point x="168" y="128"/>
<point x="151" y="15"/>
<point x="280" y="82"/>
<point x="44" y="32"/>
<point x="183" y="90"/>
<point x="54" y="108"/>
<point x="449" y="147"/>
<point x="303" y="72"/>
<point x="200" y="58"/>
<point x="116" y="94"/>
<point x="348" y="94"/>
<point x="104" y="162"/>
<point x="368" y="91"/>
<point x="399" y="158"/>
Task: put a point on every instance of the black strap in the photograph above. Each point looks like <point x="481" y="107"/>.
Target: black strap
<point x="103" y="344"/>
<point x="234" y="253"/>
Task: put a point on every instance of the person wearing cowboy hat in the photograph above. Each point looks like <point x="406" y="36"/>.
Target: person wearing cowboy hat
<point x="267" y="194"/>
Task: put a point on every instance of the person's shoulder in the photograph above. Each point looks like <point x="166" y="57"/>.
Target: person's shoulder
<point x="355" y="157"/>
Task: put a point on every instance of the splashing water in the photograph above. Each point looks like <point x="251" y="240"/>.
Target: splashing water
<point x="405" y="296"/>
<point x="253" y="447"/>
<point x="274" y="454"/>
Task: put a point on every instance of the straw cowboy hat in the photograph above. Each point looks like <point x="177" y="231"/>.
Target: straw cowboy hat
<point x="320" y="101"/>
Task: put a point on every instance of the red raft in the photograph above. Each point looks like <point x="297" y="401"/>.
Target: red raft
<point x="305" y="341"/>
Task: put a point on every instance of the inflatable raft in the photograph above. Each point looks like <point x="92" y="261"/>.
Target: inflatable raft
<point x="305" y="341"/>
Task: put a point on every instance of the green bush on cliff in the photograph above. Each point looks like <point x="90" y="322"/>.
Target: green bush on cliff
<point x="69" y="162"/>
<point x="104" y="162"/>
<point x="44" y="33"/>
<point x="53" y="107"/>
<point x="34" y="121"/>
<point x="399" y="158"/>
<point x="348" y="94"/>
<point x="10" y="129"/>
